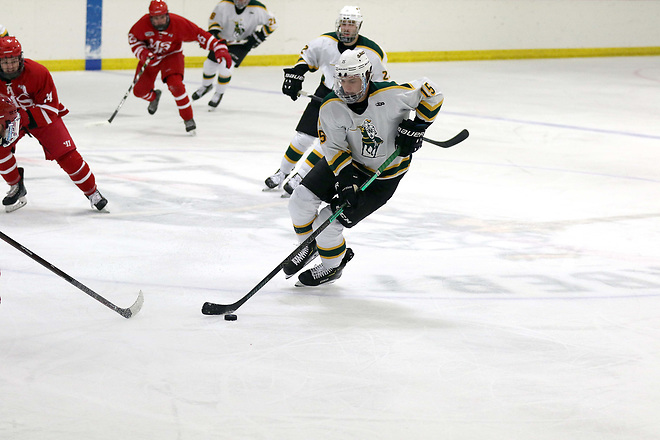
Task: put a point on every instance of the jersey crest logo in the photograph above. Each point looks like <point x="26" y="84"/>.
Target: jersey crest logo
<point x="238" y="29"/>
<point x="22" y="100"/>
<point x="370" y="139"/>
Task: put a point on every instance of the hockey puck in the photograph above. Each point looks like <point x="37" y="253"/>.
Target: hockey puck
<point x="231" y="317"/>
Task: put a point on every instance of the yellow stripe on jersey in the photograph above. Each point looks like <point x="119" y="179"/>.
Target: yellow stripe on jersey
<point x="389" y="172"/>
<point x="395" y="86"/>
<point x="304" y="229"/>
<point x="427" y="112"/>
<point x="339" y="161"/>
<point x="312" y="69"/>
<point x="335" y="252"/>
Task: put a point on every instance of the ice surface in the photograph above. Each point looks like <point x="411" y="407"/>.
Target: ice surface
<point x="509" y="290"/>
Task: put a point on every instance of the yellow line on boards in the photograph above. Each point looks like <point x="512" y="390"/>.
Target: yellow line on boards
<point x="393" y="57"/>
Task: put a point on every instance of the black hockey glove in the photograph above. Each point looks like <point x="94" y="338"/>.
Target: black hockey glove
<point x="292" y="83"/>
<point x="347" y="187"/>
<point x="256" y="38"/>
<point x="409" y="136"/>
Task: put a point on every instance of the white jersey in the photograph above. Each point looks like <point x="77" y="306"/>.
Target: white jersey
<point x="235" y="27"/>
<point x="367" y="139"/>
<point x="322" y="54"/>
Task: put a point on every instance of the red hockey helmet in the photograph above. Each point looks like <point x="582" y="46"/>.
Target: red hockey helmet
<point x="10" y="47"/>
<point x="8" y="110"/>
<point x="9" y="120"/>
<point x="159" y="15"/>
<point x="157" y="7"/>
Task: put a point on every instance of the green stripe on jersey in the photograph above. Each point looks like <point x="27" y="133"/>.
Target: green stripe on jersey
<point x="388" y="173"/>
<point x="339" y="161"/>
<point x="365" y="42"/>
<point x="426" y="111"/>
<point x="362" y="41"/>
<point x="332" y="252"/>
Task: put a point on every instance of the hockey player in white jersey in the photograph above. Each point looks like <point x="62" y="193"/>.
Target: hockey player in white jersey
<point x="321" y="54"/>
<point x="245" y="24"/>
<point x="361" y="124"/>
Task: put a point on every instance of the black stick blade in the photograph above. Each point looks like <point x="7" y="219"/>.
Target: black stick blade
<point x="460" y="137"/>
<point x="210" y="308"/>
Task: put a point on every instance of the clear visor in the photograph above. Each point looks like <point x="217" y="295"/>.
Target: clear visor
<point x="350" y="88"/>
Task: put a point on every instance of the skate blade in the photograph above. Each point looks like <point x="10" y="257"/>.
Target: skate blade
<point x="299" y="284"/>
<point x="16" y="206"/>
<point x="286" y="195"/>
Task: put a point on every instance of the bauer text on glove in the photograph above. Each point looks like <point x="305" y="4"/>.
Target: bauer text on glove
<point x="409" y="136"/>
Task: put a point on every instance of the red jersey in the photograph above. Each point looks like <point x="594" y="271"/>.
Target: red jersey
<point x="34" y="92"/>
<point x="143" y="36"/>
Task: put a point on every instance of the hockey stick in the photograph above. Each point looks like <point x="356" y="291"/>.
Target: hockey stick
<point x="460" y="137"/>
<point x="135" y="80"/>
<point x="310" y="96"/>
<point x="126" y="313"/>
<point x="210" y="308"/>
<point x="221" y="309"/>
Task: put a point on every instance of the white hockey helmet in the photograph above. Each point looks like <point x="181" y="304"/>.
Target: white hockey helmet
<point x="241" y="4"/>
<point x="353" y="64"/>
<point x="349" y="15"/>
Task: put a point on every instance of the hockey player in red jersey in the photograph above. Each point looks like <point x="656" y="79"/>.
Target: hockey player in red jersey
<point x="156" y="39"/>
<point x="31" y="106"/>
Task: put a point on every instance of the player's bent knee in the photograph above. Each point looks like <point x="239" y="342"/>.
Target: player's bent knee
<point x="302" y="200"/>
<point x="175" y="83"/>
<point x="304" y="140"/>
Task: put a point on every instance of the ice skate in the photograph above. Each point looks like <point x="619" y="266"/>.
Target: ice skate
<point x="275" y="180"/>
<point x="190" y="127"/>
<point x="213" y="103"/>
<point x="97" y="200"/>
<point x="203" y="90"/>
<point x="319" y="274"/>
<point x="292" y="183"/>
<point x="15" y="198"/>
<point x="153" y="105"/>
<point x="300" y="260"/>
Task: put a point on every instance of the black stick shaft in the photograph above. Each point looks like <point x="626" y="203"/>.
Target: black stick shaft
<point x="135" y="80"/>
